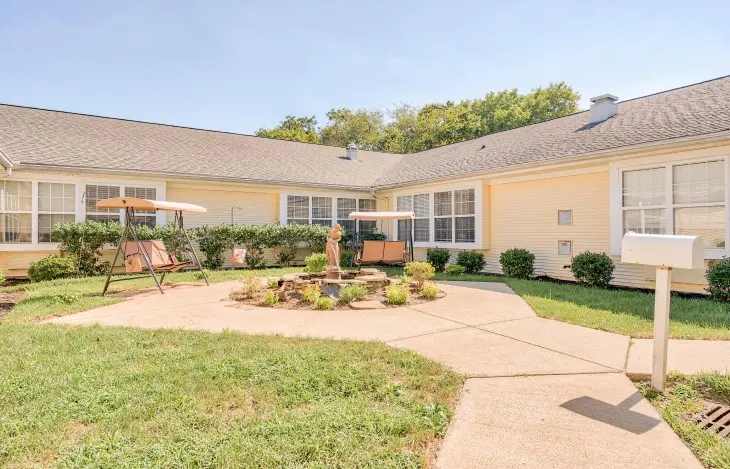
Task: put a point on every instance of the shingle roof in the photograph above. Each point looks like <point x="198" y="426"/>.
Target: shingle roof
<point x="52" y="138"/>
<point x="699" y="109"/>
<point x="41" y="137"/>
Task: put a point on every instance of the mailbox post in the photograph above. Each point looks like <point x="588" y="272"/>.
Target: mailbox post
<point x="666" y="252"/>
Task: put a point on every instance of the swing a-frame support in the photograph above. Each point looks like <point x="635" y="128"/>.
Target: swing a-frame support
<point x="137" y="254"/>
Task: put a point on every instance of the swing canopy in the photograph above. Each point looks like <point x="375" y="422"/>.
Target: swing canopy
<point x="383" y="252"/>
<point x="147" y="204"/>
<point x="382" y="215"/>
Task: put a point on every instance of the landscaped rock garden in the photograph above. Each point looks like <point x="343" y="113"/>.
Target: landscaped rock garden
<point x="365" y="288"/>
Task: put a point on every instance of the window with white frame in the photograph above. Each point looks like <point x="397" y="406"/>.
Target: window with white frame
<point x="345" y="206"/>
<point x="16" y="211"/>
<point x="143" y="217"/>
<point x="367" y="226"/>
<point x="95" y="193"/>
<point x="322" y="211"/>
<point x="56" y="204"/>
<point x="326" y="210"/>
<point x="683" y="198"/>
<point x="297" y="210"/>
<point x="451" y="213"/>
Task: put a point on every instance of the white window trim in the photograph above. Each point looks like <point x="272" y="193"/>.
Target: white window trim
<point x="477" y="244"/>
<point x="80" y="183"/>
<point x="283" y="204"/>
<point x="616" y="170"/>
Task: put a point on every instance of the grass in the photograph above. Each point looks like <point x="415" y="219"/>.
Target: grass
<point x="61" y="297"/>
<point x="685" y="396"/>
<point x="626" y="312"/>
<point x="118" y="397"/>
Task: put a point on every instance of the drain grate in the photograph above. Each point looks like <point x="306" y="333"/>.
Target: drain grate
<point x="715" y="419"/>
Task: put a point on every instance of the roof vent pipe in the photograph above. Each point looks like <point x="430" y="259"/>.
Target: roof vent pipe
<point x="603" y="107"/>
<point x="352" y="151"/>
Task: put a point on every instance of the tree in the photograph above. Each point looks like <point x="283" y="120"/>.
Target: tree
<point x="362" y="127"/>
<point x="298" y="129"/>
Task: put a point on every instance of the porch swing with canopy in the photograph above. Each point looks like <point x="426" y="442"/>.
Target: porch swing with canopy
<point x="383" y="252"/>
<point x="151" y="255"/>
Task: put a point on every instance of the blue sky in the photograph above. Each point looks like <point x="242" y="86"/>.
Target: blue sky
<point x="240" y="65"/>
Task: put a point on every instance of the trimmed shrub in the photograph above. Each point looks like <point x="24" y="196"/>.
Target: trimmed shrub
<point x="592" y="268"/>
<point x="311" y="294"/>
<point x="438" y="257"/>
<point x="212" y="241"/>
<point x="271" y="298"/>
<point x="316" y="262"/>
<point x="429" y="290"/>
<point x="517" y="263"/>
<point x="396" y="294"/>
<point x="472" y="261"/>
<point x="346" y="257"/>
<point x="718" y="279"/>
<point x="455" y="269"/>
<point x="83" y="242"/>
<point x="419" y="271"/>
<point x="51" y="268"/>
<point x="324" y="302"/>
<point x="351" y="293"/>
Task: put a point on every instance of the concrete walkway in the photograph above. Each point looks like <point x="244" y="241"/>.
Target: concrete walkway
<point x="540" y="393"/>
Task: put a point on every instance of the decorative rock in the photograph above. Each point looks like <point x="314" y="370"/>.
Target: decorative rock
<point x="369" y="304"/>
<point x="333" y="291"/>
<point x="289" y="277"/>
<point x="370" y="271"/>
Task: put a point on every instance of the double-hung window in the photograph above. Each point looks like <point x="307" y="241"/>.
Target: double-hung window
<point x="345" y="206"/>
<point x="446" y="217"/>
<point x="367" y="226"/>
<point x="143" y="217"/>
<point x="682" y="198"/>
<point x="16" y="211"/>
<point x="95" y="193"/>
<point x="326" y="210"/>
<point x="420" y="205"/>
<point x="56" y="204"/>
<point x="322" y="211"/>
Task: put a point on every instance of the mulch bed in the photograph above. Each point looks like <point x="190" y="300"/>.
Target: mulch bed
<point x="8" y="301"/>
<point x="294" y="301"/>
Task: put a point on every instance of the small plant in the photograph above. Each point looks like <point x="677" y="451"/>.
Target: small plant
<point x="199" y="275"/>
<point x="67" y="298"/>
<point x="517" y="263"/>
<point x="311" y="294"/>
<point x="316" y="262"/>
<point x="472" y="261"/>
<point x="438" y="257"/>
<point x="351" y="293"/>
<point x="51" y="268"/>
<point x="420" y="271"/>
<point x="455" y="269"/>
<point x="2" y="277"/>
<point x="405" y="279"/>
<point x="325" y="303"/>
<point x="271" y="298"/>
<point x="592" y="268"/>
<point x="250" y="288"/>
<point x="437" y="416"/>
<point x="273" y="283"/>
<point x="429" y="290"/>
<point x="396" y="294"/>
<point x="718" y="279"/>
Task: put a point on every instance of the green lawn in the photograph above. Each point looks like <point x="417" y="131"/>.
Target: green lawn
<point x="60" y="297"/>
<point x="685" y="396"/>
<point x="117" y="397"/>
<point x="622" y="311"/>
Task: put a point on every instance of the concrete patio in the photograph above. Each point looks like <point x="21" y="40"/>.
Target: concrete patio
<point x="540" y="393"/>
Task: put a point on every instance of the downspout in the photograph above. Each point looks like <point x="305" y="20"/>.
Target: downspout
<point x="372" y="194"/>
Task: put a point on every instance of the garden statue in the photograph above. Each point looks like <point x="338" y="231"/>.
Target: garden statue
<point x="333" y="246"/>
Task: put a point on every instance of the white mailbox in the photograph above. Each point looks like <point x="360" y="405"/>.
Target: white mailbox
<point x="666" y="252"/>
<point x="679" y="252"/>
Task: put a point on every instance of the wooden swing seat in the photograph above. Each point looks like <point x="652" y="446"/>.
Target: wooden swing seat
<point x="161" y="260"/>
<point x="382" y="252"/>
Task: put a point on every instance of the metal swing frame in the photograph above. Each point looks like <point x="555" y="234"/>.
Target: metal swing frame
<point x="130" y="228"/>
<point x="382" y="217"/>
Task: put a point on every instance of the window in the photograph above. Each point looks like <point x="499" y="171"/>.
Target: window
<point x="676" y="198"/>
<point x="143" y="217"/>
<point x="297" y="210"/>
<point x="56" y="204"/>
<point x="367" y="205"/>
<point x="453" y="217"/>
<point x="565" y="217"/>
<point x="322" y="211"/>
<point x="345" y="206"/>
<point x="16" y="207"/>
<point x="95" y="193"/>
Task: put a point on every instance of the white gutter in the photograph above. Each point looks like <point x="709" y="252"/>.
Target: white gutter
<point x="617" y="152"/>
<point x="7" y="162"/>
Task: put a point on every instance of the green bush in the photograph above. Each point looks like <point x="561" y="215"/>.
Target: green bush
<point x="718" y="279"/>
<point x="51" y="268"/>
<point x="455" y="269"/>
<point x="419" y="271"/>
<point x="311" y="294"/>
<point x="471" y="261"/>
<point x="438" y="257"/>
<point x="351" y="293"/>
<point x="271" y="298"/>
<point x="517" y="263"/>
<point x="429" y="290"/>
<point x="83" y="242"/>
<point x="396" y="294"/>
<point x="316" y="262"/>
<point x="592" y="268"/>
<point x="198" y="275"/>
<point x="324" y="302"/>
<point x="250" y="288"/>
<point x="346" y="257"/>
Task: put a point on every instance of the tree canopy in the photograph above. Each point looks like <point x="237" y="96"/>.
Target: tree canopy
<point x="410" y="129"/>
